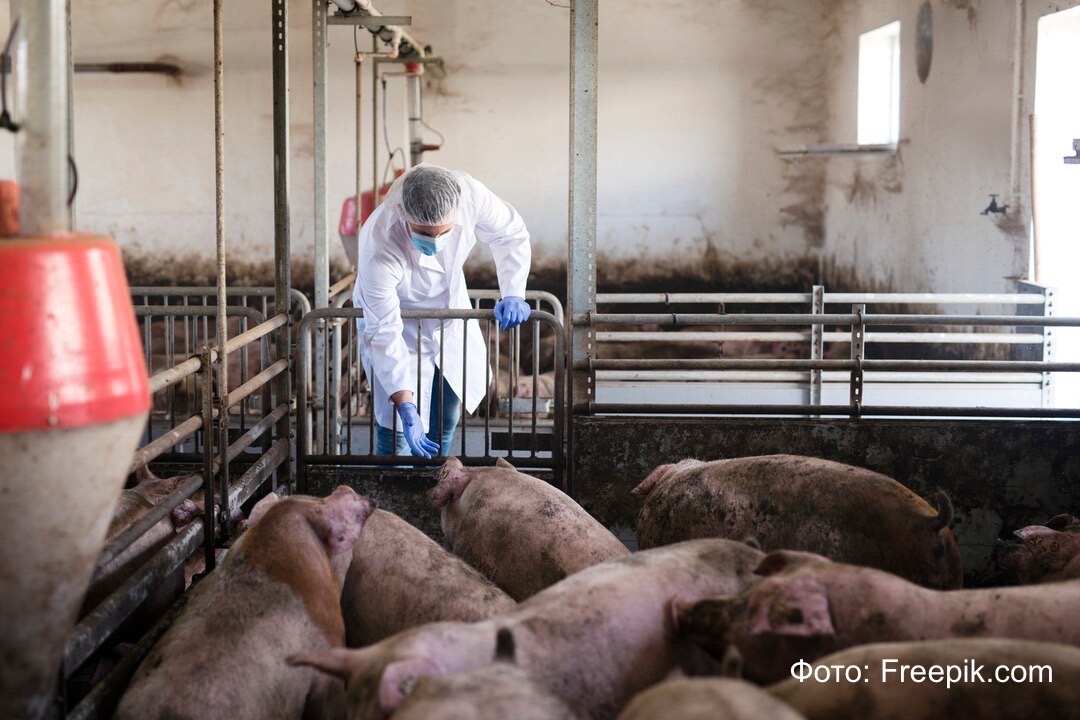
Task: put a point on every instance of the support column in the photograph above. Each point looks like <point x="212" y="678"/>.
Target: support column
<point x="581" y="270"/>
<point x="282" y="243"/>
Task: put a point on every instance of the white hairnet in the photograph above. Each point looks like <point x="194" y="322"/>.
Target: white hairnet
<point x="429" y="195"/>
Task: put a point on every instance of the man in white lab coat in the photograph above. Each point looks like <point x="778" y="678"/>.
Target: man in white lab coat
<point x="412" y="251"/>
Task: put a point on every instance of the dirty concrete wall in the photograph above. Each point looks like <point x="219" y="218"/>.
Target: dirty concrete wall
<point x="912" y="220"/>
<point x="694" y="99"/>
<point x="1000" y="476"/>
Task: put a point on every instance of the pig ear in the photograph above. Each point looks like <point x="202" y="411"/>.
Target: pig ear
<point x="338" y="519"/>
<point x="261" y="507"/>
<point x="1051" y="548"/>
<point x="1060" y="522"/>
<point x="798" y="607"/>
<point x="503" y="463"/>
<point x="646" y="486"/>
<point x="143" y="474"/>
<point x="780" y="560"/>
<point x="400" y="678"/>
<point x="338" y="662"/>
<point x="452" y="479"/>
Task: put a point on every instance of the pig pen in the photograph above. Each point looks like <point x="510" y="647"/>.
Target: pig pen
<point x="665" y="393"/>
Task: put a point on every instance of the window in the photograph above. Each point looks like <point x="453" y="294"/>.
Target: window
<point x="879" y="86"/>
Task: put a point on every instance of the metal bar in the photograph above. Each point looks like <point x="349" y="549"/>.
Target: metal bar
<point x="823" y="410"/>
<point x="369" y="22"/>
<point x="43" y="143"/>
<point x="581" y="268"/>
<point x="206" y="383"/>
<point x="684" y="336"/>
<point x="858" y="352"/>
<point x="487" y="415"/>
<point x="335" y="388"/>
<point x="554" y="305"/>
<point x="257" y="474"/>
<point x="203" y="311"/>
<point x="817" y="344"/>
<point x="444" y="451"/>
<point x="240" y="393"/>
<point x="103" y="620"/>
<point x="165" y="442"/>
<point x="349" y="280"/>
<point x="282" y="251"/>
<point x="535" y="376"/>
<point x="322" y="258"/>
<point x="261" y="330"/>
<point x="828" y="377"/>
<point x="838" y="298"/>
<point x="222" y="299"/>
<point x="159" y="512"/>
<point x="102" y="700"/>
<point x="171" y="376"/>
<point x="1034" y="366"/>
<point x="677" y="319"/>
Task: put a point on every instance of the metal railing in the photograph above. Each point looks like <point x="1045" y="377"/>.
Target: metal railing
<point x="344" y="378"/>
<point x="336" y="442"/>
<point x="220" y="495"/>
<point x="856" y="329"/>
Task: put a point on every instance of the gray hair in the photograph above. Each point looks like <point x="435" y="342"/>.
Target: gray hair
<point x="429" y="195"/>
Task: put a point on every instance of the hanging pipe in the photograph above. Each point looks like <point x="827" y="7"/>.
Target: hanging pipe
<point x="387" y="33"/>
<point x="1017" y="144"/>
<point x="222" y="300"/>
<point x="43" y="149"/>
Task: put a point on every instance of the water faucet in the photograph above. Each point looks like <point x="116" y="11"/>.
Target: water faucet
<point x="993" y="207"/>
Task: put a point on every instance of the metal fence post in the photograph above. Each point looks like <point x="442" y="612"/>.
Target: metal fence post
<point x="858" y="352"/>
<point x="581" y="269"/>
<point x="282" y="260"/>
<point x="817" y="344"/>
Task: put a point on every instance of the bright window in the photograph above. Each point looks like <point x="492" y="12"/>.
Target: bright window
<point x="879" y="86"/>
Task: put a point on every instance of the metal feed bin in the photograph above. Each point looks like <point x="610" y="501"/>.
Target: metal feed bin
<point x="74" y="400"/>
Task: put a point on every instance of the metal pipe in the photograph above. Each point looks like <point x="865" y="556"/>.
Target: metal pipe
<point x="676" y="319"/>
<point x="838" y="298"/>
<point x="103" y="620"/>
<point x="43" y="143"/>
<point x="173" y="375"/>
<point x="222" y="299"/>
<point x="102" y="700"/>
<point x="159" y="512"/>
<point x="171" y="70"/>
<point x="822" y="410"/>
<point x="415" y="105"/>
<point x="806" y="365"/>
<point x="1016" y="147"/>
<point x="645" y="377"/>
<point x="833" y="337"/>
<point x="166" y="442"/>
<point x="279" y="43"/>
<point x="237" y="395"/>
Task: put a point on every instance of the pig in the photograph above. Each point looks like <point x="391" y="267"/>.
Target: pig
<point x="881" y="694"/>
<point x="1044" y="553"/>
<point x="801" y="503"/>
<point x="496" y="692"/>
<point x="276" y="592"/>
<point x="519" y="531"/>
<point x="706" y="699"/>
<point x="594" y="639"/>
<point x="133" y="504"/>
<point x="808" y="606"/>
<point x="545" y="386"/>
<point x="400" y="578"/>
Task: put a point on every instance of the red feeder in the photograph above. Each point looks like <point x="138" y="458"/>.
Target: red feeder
<point x="74" y="403"/>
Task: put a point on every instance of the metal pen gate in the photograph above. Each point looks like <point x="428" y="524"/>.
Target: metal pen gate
<point x="337" y="427"/>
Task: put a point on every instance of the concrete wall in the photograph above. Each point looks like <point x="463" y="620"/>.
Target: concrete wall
<point x="912" y="221"/>
<point x="695" y="98"/>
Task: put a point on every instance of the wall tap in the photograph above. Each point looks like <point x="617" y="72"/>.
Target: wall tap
<point x="993" y="207"/>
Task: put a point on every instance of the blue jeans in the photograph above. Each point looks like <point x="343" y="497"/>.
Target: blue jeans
<point x="449" y="412"/>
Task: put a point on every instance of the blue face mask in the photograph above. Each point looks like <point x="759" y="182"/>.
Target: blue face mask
<point x="428" y="246"/>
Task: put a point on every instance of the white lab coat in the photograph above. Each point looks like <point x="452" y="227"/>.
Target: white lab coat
<point x="392" y="274"/>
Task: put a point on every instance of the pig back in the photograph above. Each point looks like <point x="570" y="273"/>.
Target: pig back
<point x="706" y="699"/>
<point x="522" y="533"/>
<point x="399" y="578"/>
<point x="846" y="513"/>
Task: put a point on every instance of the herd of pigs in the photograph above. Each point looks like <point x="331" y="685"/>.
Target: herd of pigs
<point x="331" y="608"/>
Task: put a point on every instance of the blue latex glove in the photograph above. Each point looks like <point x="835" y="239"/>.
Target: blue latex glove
<point x="420" y="444"/>
<point x="511" y="312"/>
